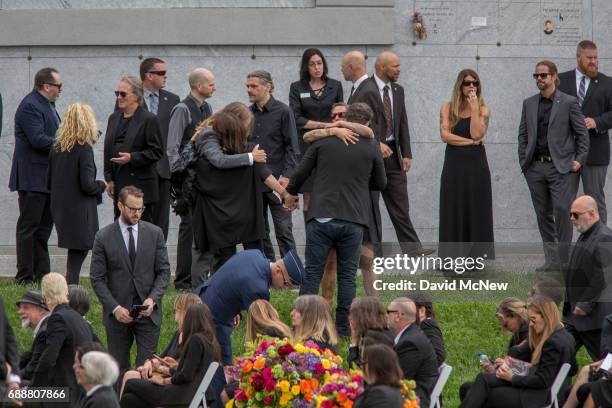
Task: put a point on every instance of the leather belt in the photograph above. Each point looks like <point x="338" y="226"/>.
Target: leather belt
<point x="542" y="158"/>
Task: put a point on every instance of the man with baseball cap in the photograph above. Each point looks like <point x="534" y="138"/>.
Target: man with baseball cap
<point x="244" y="278"/>
<point x="33" y="313"/>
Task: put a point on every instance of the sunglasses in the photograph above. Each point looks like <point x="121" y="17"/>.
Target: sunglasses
<point x="542" y="75"/>
<point x="121" y="94"/>
<point x="338" y="115"/>
<point x="576" y="214"/>
<point x="468" y="83"/>
<point x="160" y="73"/>
<point x="58" y="86"/>
<point x="389" y="311"/>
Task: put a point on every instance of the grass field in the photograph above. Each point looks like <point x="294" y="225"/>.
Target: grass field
<point x="467" y="319"/>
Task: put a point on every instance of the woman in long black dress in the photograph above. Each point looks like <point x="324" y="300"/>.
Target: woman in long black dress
<point x="75" y="192"/>
<point x="466" y="209"/>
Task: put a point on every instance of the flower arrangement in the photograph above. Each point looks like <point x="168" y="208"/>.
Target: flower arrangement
<point x="418" y="26"/>
<point x="340" y="390"/>
<point x="408" y="391"/>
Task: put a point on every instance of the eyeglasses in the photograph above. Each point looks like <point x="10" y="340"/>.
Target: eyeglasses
<point x="135" y="210"/>
<point x="338" y="115"/>
<point x="58" y="86"/>
<point x="121" y="94"/>
<point x="389" y="311"/>
<point x="542" y="75"/>
<point x="576" y="214"/>
<point x="468" y="83"/>
<point x="159" y="73"/>
<point x="315" y="64"/>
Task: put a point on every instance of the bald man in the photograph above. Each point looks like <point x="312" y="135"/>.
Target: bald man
<point x="183" y="121"/>
<point x="588" y="299"/>
<point x="414" y="350"/>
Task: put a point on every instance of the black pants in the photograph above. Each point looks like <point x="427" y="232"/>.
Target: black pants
<point x="182" y="278"/>
<point x="490" y="391"/>
<point x="76" y="257"/>
<point x="283" y="226"/>
<point x="161" y="212"/>
<point x="591" y="339"/>
<point x="34" y="227"/>
<point x="223" y="254"/>
<point x="121" y="336"/>
<point x="395" y="196"/>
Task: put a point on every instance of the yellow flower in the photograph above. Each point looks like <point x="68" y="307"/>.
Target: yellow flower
<point x="284" y="399"/>
<point x="230" y="404"/>
<point x="295" y="390"/>
<point x="299" y="348"/>
<point x="315" y="351"/>
<point x="284" y="386"/>
<point x="326" y="364"/>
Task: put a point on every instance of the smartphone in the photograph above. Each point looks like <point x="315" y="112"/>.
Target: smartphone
<point x="136" y="309"/>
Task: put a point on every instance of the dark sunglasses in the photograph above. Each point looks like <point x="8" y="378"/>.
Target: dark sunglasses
<point x="576" y="214"/>
<point x="58" y="86"/>
<point x="160" y="73"/>
<point x="389" y="311"/>
<point x="121" y="94"/>
<point x="542" y="75"/>
<point x="468" y="83"/>
<point x="338" y="115"/>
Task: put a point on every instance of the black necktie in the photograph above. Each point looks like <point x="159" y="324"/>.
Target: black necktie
<point x="387" y="111"/>
<point x="352" y="90"/>
<point x="131" y="247"/>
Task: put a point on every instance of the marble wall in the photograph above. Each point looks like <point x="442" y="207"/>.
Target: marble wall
<point x="501" y="39"/>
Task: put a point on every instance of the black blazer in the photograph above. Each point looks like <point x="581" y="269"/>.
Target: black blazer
<point x="112" y="273"/>
<point x="343" y="180"/>
<point x="35" y="127"/>
<point x="418" y="361"/>
<point x="167" y="101"/>
<point x="606" y="336"/>
<point x="8" y="345"/>
<point x="380" y="396"/>
<point x="434" y="334"/>
<point x="308" y="106"/>
<point x="29" y="359"/>
<point x="143" y="142"/>
<point x="75" y="194"/>
<point x="585" y="280"/>
<point x="369" y="337"/>
<point x="534" y="388"/>
<point x="597" y="104"/>
<point x="66" y="330"/>
<point x="103" y="397"/>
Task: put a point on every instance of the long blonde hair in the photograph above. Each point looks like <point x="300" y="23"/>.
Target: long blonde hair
<point x="549" y="311"/>
<point x="510" y="307"/>
<point x="458" y="100"/>
<point x="317" y="323"/>
<point x="263" y="315"/>
<point x="78" y="127"/>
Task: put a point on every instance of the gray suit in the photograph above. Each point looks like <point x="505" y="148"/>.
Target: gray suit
<point x="552" y="184"/>
<point x="117" y="283"/>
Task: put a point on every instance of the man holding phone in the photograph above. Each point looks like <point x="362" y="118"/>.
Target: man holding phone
<point x="129" y="273"/>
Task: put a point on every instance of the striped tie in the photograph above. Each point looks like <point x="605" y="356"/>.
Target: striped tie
<point x="387" y="112"/>
<point x="582" y="90"/>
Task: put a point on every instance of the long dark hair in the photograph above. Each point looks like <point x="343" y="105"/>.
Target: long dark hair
<point x="368" y="313"/>
<point x="304" y="74"/>
<point x="421" y="299"/>
<point x="382" y="365"/>
<point x="199" y="322"/>
<point x="231" y="132"/>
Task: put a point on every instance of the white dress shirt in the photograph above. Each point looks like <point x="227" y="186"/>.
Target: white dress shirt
<point x="126" y="234"/>
<point x="359" y="81"/>
<point x="587" y="81"/>
<point x="380" y="83"/>
<point x="396" y="340"/>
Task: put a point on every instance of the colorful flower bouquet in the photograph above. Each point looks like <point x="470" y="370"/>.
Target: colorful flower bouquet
<point x="281" y="373"/>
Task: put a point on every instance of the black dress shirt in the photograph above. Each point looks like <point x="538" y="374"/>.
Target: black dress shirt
<point x="275" y="131"/>
<point x="544" y="108"/>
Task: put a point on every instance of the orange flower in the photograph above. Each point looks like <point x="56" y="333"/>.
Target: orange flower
<point x="341" y="397"/>
<point x="314" y="383"/>
<point x="347" y="404"/>
<point x="247" y="367"/>
<point x="260" y="363"/>
<point x="248" y="391"/>
<point x="305" y="386"/>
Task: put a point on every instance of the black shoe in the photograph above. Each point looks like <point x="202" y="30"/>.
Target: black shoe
<point x="421" y="252"/>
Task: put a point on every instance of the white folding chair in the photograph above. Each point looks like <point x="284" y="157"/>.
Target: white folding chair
<point x="199" y="399"/>
<point x="434" y="399"/>
<point x="556" y="386"/>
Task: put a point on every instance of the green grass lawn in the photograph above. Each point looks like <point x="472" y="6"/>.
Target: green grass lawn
<point x="467" y="319"/>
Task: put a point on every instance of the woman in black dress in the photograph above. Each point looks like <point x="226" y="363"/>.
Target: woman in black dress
<point x="383" y="375"/>
<point x="312" y="320"/>
<point x="263" y="320"/>
<point x="466" y="209"/>
<point x="368" y="321"/>
<point x="75" y="192"/>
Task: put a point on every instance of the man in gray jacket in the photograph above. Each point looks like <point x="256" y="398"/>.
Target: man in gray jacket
<point x="553" y="144"/>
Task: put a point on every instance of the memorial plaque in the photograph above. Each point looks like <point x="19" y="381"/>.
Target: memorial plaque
<point x="561" y="24"/>
<point x="440" y="19"/>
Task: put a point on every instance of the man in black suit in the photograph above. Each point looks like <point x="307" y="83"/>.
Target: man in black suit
<point x="184" y="119"/>
<point x="36" y="122"/>
<point x="129" y="267"/>
<point x="553" y="144"/>
<point x="275" y="131"/>
<point x="414" y="350"/>
<point x="339" y="207"/>
<point x="588" y="299"/>
<point x="33" y="313"/>
<point x="594" y="93"/>
<point x="390" y="125"/>
<point x="159" y="102"/>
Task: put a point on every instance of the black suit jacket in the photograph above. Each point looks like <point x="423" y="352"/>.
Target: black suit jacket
<point x="597" y="104"/>
<point x="535" y="387"/>
<point x="143" y="142"/>
<point x="418" y="361"/>
<point x="29" y="359"/>
<point x="103" y="397"/>
<point x="66" y="330"/>
<point x="112" y="273"/>
<point x="380" y="396"/>
<point x="368" y="93"/>
<point x="167" y="101"/>
<point x="585" y="279"/>
<point x="432" y="330"/>
<point x="8" y="344"/>
<point x="343" y="179"/>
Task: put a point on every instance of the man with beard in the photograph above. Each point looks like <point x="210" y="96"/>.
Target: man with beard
<point x="553" y="144"/>
<point x="33" y="313"/>
<point x="594" y="93"/>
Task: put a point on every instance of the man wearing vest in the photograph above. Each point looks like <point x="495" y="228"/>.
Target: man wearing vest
<point x="184" y="119"/>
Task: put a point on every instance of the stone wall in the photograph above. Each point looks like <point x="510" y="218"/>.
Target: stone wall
<point x="503" y="49"/>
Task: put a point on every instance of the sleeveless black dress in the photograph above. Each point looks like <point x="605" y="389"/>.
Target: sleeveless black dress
<point x="466" y="207"/>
